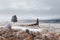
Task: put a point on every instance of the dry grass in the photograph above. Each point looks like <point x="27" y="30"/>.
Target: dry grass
<point x="23" y="35"/>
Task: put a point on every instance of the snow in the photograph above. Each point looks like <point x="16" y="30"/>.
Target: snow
<point x="42" y="26"/>
<point x="31" y="29"/>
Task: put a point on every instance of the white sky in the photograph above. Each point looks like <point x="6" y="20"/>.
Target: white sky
<point x="30" y="9"/>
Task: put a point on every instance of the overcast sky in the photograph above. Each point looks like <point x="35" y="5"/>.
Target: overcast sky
<point x="30" y="9"/>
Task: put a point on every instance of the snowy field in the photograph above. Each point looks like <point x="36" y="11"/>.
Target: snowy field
<point x="55" y="26"/>
<point x="41" y="27"/>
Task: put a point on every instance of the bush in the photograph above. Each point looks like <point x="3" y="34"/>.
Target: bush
<point x="14" y="18"/>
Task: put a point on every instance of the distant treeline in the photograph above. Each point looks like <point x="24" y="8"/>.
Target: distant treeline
<point x="51" y="21"/>
<point x="45" y="21"/>
<point x="14" y="19"/>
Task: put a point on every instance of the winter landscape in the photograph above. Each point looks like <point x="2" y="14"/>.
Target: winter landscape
<point x="29" y="19"/>
<point x="29" y="30"/>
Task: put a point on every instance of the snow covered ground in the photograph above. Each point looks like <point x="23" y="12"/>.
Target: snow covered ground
<point x="40" y="28"/>
<point x="31" y="29"/>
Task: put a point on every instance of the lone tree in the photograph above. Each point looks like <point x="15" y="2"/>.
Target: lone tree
<point x="37" y="21"/>
<point x="14" y="18"/>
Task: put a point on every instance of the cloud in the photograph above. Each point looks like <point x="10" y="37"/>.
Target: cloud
<point x="24" y="4"/>
<point x="31" y="8"/>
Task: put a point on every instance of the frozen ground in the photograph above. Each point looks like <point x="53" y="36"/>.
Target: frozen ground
<point x="41" y="27"/>
<point x="56" y="26"/>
